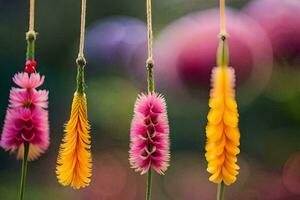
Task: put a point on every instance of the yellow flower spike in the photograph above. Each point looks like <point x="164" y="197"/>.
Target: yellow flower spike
<point x="74" y="161"/>
<point x="222" y="132"/>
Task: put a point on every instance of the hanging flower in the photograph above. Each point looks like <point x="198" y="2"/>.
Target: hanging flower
<point x="26" y="117"/>
<point x="74" y="163"/>
<point x="222" y="132"/>
<point x="149" y="133"/>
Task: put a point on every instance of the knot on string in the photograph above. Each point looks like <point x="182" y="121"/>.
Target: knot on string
<point x="223" y="36"/>
<point x="31" y="36"/>
<point x="80" y="61"/>
<point x="150" y="63"/>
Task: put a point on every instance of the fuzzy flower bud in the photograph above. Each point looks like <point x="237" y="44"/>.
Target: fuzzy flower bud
<point x="149" y="134"/>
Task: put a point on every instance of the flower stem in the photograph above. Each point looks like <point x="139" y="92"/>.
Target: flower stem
<point x="149" y="185"/>
<point x="150" y="78"/>
<point x="223" y="51"/>
<point x="220" y="193"/>
<point x="24" y="170"/>
<point x="80" y="75"/>
<point x="30" y="37"/>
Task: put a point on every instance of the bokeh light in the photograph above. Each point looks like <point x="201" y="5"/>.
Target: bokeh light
<point x="112" y="42"/>
<point x="186" y="51"/>
<point x="291" y="174"/>
<point x="281" y="24"/>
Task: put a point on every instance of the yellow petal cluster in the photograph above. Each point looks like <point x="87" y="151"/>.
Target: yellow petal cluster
<point x="222" y="132"/>
<point x="74" y="163"/>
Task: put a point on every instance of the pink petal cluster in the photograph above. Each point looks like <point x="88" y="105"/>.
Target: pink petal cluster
<point x="27" y="116"/>
<point x="149" y="133"/>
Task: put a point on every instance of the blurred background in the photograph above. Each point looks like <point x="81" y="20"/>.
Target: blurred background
<point x="264" y="39"/>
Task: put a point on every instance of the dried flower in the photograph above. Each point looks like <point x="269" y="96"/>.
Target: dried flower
<point x="26" y="117"/>
<point x="222" y="132"/>
<point x="149" y="133"/>
<point x="74" y="161"/>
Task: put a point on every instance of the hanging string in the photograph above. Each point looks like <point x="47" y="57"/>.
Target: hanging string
<point x="222" y="18"/>
<point x="150" y="61"/>
<point x="31" y="15"/>
<point x="149" y="29"/>
<point x="82" y="29"/>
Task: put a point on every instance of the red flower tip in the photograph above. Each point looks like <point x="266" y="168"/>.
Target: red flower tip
<point x="30" y="66"/>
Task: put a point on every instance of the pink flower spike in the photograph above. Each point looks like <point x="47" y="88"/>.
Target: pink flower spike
<point x="149" y="135"/>
<point x="26" y="117"/>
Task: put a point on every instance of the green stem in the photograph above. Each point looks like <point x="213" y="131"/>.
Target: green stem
<point x="30" y="37"/>
<point x="223" y="52"/>
<point x="150" y="78"/>
<point x="24" y="170"/>
<point x="220" y="193"/>
<point x="149" y="185"/>
<point x="80" y="75"/>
